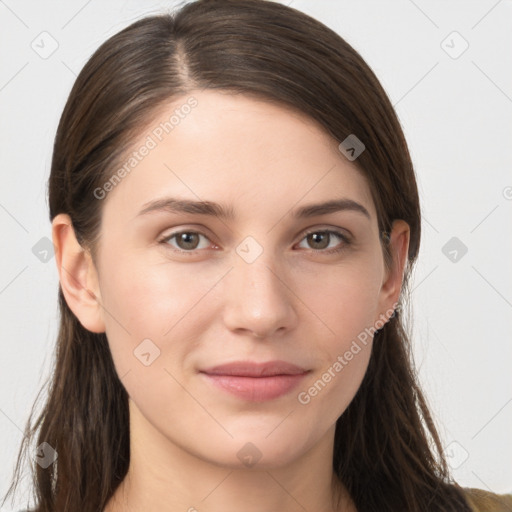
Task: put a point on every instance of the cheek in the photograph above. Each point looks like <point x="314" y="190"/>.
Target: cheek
<point x="343" y="299"/>
<point x="331" y="389"/>
<point x="344" y="306"/>
<point x="343" y="361"/>
<point x="152" y="302"/>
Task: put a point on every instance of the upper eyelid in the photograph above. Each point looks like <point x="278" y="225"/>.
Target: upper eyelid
<point x="340" y="231"/>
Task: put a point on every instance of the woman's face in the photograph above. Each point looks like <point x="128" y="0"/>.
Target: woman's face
<point x="184" y="289"/>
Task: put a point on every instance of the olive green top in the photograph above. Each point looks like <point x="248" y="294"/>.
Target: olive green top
<point x="484" y="501"/>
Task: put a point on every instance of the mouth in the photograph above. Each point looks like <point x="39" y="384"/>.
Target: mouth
<point x="255" y="382"/>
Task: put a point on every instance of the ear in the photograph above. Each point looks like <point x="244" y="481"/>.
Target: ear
<point x="77" y="274"/>
<point x="393" y="276"/>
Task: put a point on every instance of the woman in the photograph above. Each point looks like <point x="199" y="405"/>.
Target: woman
<point x="235" y="216"/>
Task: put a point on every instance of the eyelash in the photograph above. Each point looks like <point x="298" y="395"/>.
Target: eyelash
<point x="346" y="241"/>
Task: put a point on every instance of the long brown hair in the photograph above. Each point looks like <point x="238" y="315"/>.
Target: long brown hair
<point x="387" y="451"/>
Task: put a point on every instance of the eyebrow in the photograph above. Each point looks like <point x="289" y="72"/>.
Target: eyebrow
<point x="174" y="205"/>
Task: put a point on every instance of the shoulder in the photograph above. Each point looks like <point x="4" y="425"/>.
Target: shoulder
<point x="485" y="501"/>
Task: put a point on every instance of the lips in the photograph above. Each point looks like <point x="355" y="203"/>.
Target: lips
<point x="256" y="382"/>
<point x="253" y="369"/>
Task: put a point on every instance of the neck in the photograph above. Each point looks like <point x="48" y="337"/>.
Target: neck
<point x="164" y="477"/>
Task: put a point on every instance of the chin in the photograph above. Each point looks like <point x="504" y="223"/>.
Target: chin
<point x="255" y="450"/>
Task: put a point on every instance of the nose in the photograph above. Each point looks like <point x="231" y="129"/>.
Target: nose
<point x="259" y="301"/>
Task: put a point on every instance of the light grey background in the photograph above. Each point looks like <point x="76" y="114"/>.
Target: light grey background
<point x="456" y="111"/>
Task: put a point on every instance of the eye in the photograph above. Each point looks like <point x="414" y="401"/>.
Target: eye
<point x="186" y="241"/>
<point x="321" y="239"/>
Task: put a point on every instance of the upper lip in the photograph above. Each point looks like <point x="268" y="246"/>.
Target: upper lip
<point x="253" y="369"/>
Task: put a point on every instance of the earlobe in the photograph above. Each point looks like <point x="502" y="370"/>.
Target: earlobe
<point x="77" y="274"/>
<point x="392" y="286"/>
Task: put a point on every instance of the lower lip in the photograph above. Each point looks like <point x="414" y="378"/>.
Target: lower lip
<point x="256" y="389"/>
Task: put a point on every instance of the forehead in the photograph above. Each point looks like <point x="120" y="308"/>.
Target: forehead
<point x="233" y="148"/>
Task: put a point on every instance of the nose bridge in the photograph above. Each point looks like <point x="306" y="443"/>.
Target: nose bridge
<point x="257" y="298"/>
<point x="258" y="277"/>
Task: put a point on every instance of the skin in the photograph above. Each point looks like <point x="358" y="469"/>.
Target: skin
<point x="294" y="302"/>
